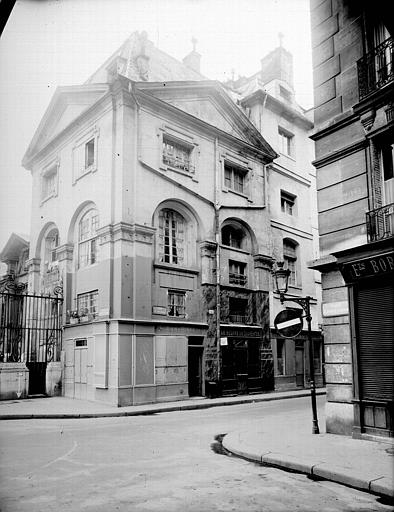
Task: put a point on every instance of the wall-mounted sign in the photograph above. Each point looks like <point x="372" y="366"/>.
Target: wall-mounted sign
<point x="223" y="342"/>
<point x="369" y="267"/>
<point x="288" y="323"/>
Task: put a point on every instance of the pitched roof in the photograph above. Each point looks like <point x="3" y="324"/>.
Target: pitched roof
<point x="139" y="60"/>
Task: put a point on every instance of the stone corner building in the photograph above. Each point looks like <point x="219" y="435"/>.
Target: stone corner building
<point x="354" y="140"/>
<point x="159" y="210"/>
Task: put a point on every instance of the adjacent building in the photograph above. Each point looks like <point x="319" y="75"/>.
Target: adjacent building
<point x="354" y="141"/>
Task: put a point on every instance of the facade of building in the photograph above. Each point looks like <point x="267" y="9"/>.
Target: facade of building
<point x="354" y="136"/>
<point x="268" y="98"/>
<point x="152" y="209"/>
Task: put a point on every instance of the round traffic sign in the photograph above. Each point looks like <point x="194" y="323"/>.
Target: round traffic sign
<point x="288" y="323"/>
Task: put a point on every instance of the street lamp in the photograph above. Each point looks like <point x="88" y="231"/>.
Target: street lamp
<point x="281" y="276"/>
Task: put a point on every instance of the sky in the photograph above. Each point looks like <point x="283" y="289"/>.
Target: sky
<point x="49" y="43"/>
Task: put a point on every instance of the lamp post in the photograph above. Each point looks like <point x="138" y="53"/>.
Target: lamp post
<point x="281" y="276"/>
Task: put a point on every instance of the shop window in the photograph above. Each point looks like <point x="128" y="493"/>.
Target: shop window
<point x="171" y="237"/>
<point x="280" y="356"/>
<point x="87" y="238"/>
<point x="234" y="178"/>
<point x="237" y="273"/>
<point x="238" y="310"/>
<point x="286" y="142"/>
<point x="87" y="304"/>
<point x="287" y="202"/>
<point x="290" y="260"/>
<point x="177" y="155"/>
<point x="176" y="304"/>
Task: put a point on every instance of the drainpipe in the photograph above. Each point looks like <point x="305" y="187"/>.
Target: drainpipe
<point x="136" y="143"/>
<point x="217" y="240"/>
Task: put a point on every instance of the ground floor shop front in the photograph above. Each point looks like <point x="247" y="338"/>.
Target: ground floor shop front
<point x="127" y="363"/>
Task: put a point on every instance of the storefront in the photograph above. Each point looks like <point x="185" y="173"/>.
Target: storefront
<point x="368" y="272"/>
<point x="245" y="361"/>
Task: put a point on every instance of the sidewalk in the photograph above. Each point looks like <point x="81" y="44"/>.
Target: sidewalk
<point x="61" y="407"/>
<point x="365" y="465"/>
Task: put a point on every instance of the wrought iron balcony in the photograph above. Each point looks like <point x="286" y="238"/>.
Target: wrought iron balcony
<point x="375" y="70"/>
<point x="239" y="279"/>
<point x="380" y="223"/>
<point x="238" y="319"/>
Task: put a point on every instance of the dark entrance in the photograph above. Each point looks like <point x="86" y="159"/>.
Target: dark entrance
<point x="241" y="366"/>
<point x="195" y="353"/>
<point x="299" y="362"/>
<point x="30" y="331"/>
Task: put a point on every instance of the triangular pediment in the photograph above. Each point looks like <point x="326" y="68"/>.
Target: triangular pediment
<point x="67" y="104"/>
<point x="209" y="102"/>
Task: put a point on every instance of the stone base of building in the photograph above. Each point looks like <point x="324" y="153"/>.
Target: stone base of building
<point x="339" y="418"/>
<point x="14" y="381"/>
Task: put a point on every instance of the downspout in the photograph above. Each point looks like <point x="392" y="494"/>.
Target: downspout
<point x="136" y="160"/>
<point x="217" y="240"/>
<point x="131" y="88"/>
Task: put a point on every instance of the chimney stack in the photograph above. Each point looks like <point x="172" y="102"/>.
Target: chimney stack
<point x="192" y="60"/>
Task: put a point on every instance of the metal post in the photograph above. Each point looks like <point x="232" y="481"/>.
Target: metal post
<point x="304" y="302"/>
<point x="315" y="427"/>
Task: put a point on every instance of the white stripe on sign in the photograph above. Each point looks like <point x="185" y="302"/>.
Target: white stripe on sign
<point x="289" y="323"/>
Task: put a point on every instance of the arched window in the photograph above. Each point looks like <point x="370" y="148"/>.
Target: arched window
<point x="51" y="243"/>
<point x="87" y="238"/>
<point x="290" y="259"/>
<point x="171" y="237"/>
<point x="232" y="236"/>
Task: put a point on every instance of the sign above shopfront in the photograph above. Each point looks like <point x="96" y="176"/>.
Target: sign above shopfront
<point x="368" y="267"/>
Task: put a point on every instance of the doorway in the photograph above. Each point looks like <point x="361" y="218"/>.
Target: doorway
<point x="195" y="353"/>
<point x="299" y="357"/>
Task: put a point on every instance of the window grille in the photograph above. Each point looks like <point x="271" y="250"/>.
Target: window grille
<point x="237" y="273"/>
<point x="177" y="155"/>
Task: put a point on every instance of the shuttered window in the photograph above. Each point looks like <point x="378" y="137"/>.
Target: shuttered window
<point x="375" y="315"/>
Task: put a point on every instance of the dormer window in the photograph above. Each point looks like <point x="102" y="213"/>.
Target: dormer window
<point x="177" y="155"/>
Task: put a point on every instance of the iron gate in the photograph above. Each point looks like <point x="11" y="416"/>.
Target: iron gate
<point x="30" y="331"/>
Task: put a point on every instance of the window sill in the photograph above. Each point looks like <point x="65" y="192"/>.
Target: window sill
<point x="240" y="194"/>
<point x="47" y="198"/>
<point x="288" y="156"/>
<point x="188" y="174"/>
<point x="172" y="266"/>
<point x="236" y="249"/>
<point x="89" y="170"/>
